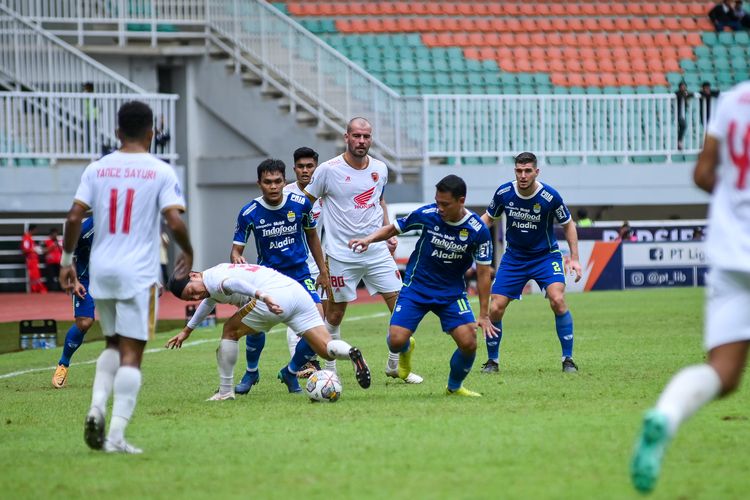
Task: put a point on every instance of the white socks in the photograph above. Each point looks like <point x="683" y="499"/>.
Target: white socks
<point x="687" y="392"/>
<point x="106" y="367"/>
<point x="335" y="332"/>
<point x="126" y="385"/>
<point x="338" y="349"/>
<point x="292" y="340"/>
<point x="392" y="364"/>
<point x="226" y="358"/>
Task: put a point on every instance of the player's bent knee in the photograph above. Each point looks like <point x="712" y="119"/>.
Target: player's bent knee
<point x="83" y="323"/>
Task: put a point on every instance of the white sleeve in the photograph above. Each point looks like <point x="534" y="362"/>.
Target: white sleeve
<point x="317" y="186"/>
<point x="203" y="310"/>
<point x="236" y="285"/>
<point x="170" y="194"/>
<point x="717" y="124"/>
<point x="84" y="193"/>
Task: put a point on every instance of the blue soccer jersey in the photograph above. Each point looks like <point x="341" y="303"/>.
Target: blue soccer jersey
<point x="444" y="252"/>
<point x="279" y="233"/>
<point x="83" y="249"/>
<point x="530" y="219"/>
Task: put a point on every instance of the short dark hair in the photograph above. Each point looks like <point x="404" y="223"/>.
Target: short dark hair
<point x="582" y="213"/>
<point x="305" y="152"/>
<point x="53" y="230"/>
<point x="452" y="184"/>
<point x="135" y="119"/>
<point x="271" y="165"/>
<point x="177" y="285"/>
<point x="705" y="84"/>
<point x="32" y="227"/>
<point x="525" y="157"/>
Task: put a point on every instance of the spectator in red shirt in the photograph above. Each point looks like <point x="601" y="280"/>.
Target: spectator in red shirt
<point x="53" y="254"/>
<point x="28" y="247"/>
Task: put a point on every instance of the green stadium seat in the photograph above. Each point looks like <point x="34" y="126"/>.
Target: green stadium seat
<point x="490" y="65"/>
<point x="739" y="63"/>
<point x="710" y="39"/>
<point x="721" y="64"/>
<point x="577" y="90"/>
<point x="742" y="38"/>
<point x="726" y="38"/>
<point x="688" y="64"/>
<point x="702" y="51"/>
<point x="611" y="90"/>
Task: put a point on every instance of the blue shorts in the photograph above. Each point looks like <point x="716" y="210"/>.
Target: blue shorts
<point x="301" y="275"/>
<point x="83" y="307"/>
<point x="514" y="272"/>
<point x="309" y="285"/>
<point x="411" y="307"/>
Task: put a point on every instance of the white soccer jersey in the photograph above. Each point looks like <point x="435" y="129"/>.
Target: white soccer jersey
<point x="127" y="193"/>
<point x="728" y="240"/>
<point x="256" y="277"/>
<point x="351" y="199"/>
<point x="294" y="188"/>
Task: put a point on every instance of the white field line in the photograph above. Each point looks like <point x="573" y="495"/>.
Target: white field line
<point x="162" y="349"/>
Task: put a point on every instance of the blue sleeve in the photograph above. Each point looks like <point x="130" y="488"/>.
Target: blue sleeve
<point x="483" y="247"/>
<point x="308" y="219"/>
<point x="241" y="230"/>
<point x="562" y="214"/>
<point x="414" y="220"/>
<point x="496" y="206"/>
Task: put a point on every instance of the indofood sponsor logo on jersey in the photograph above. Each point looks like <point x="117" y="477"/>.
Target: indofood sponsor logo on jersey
<point x="272" y="232"/>
<point x="362" y="200"/>
<point x="522" y="219"/>
<point x="447" y="249"/>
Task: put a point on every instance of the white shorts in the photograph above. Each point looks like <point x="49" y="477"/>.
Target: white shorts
<point x="727" y="308"/>
<point x="134" y="318"/>
<point x="379" y="276"/>
<point x="300" y="312"/>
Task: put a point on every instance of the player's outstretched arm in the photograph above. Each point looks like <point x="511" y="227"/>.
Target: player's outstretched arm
<point x="391" y="242"/>
<point x="235" y="256"/>
<point x="234" y="285"/>
<point x="177" y="340"/>
<point x="488" y="221"/>
<point x="571" y="236"/>
<point x="71" y="232"/>
<point x="704" y="174"/>
<point x="359" y="245"/>
<point x="179" y="232"/>
<point x="484" y="283"/>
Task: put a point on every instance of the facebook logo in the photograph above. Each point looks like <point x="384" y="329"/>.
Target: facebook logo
<point x="656" y="253"/>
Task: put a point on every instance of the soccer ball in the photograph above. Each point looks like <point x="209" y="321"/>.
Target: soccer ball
<point x="323" y="385"/>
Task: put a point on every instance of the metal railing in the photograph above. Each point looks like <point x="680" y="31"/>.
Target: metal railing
<point x="125" y="19"/>
<point x="13" y="273"/>
<point x="579" y="127"/>
<point x="33" y="59"/>
<point x="48" y="125"/>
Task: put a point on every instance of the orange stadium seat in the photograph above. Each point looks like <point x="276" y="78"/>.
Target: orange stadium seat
<point x="559" y="79"/>
<point x="634" y="8"/>
<point x="554" y="39"/>
<point x="557" y="9"/>
<point x="589" y="9"/>
<point x="553" y="52"/>
<point x="606" y="65"/>
<point x="483" y="24"/>
<point x="618" y="9"/>
<point x="608" y="80"/>
<point x="698" y="9"/>
<point x="467" y="24"/>
<point x="575" y="80"/>
<point x="638" y="24"/>
<point x="592" y="80"/>
<point x="460" y="39"/>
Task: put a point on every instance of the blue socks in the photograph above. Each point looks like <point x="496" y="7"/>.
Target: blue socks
<point x="73" y="340"/>
<point x="564" y="327"/>
<point x="302" y="354"/>
<point x="403" y="349"/>
<point x="253" y="347"/>
<point x="460" y="367"/>
<point x="493" y="345"/>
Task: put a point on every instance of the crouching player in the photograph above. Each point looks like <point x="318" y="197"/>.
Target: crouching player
<point x="83" y="304"/>
<point x="451" y="237"/>
<point x="266" y="298"/>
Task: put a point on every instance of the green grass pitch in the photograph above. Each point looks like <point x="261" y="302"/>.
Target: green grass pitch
<point x="536" y="433"/>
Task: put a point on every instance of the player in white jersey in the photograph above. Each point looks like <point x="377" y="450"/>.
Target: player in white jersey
<point x="265" y="298"/>
<point x="722" y="170"/>
<point x="351" y="186"/>
<point x="128" y="191"/>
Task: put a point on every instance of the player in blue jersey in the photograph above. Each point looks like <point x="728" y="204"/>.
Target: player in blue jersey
<point x="452" y="237"/>
<point x="532" y="253"/>
<point x="283" y="227"/>
<point x="83" y="304"/>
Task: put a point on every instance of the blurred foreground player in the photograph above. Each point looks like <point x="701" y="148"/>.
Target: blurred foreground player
<point x="722" y="170"/>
